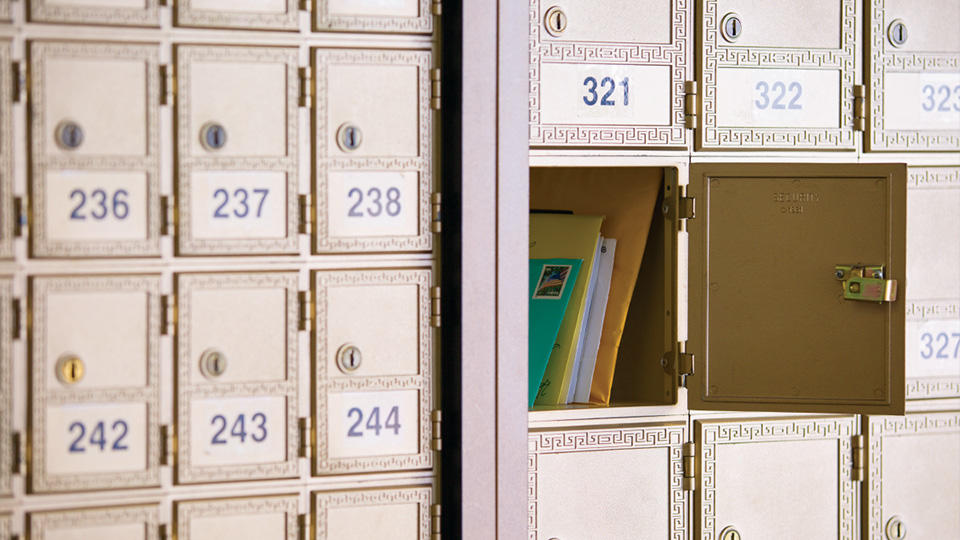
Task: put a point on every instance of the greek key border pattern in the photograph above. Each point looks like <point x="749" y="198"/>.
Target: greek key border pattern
<point x="711" y="433"/>
<point x="422" y="163"/>
<point x="421" y="382"/>
<point x="714" y="56"/>
<point x="674" y="55"/>
<point x="41" y="522"/>
<point x="187" y="16"/>
<point x="6" y="148"/>
<point x="879" y="138"/>
<point x="5" y="10"/>
<point x="323" y="502"/>
<point x="933" y="387"/>
<point x="421" y="24"/>
<point x="187" y="163"/>
<point x="41" y="397"/>
<point x="41" y="244"/>
<point x="5" y="526"/>
<point x="207" y="508"/>
<point x="671" y="436"/>
<point x="6" y="386"/>
<point x="190" y="387"/>
<point x="149" y="15"/>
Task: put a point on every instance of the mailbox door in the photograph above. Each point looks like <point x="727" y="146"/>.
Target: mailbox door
<point x="373" y="361"/>
<point x="237" y="366"/>
<point x="254" y="518"/>
<point x="6" y="384"/>
<point x="6" y="152"/>
<point x="110" y="12"/>
<point x="237" y="161"/>
<point x="112" y="523"/>
<point x="413" y="16"/>
<point x="609" y="73"/>
<point x="907" y="497"/>
<point x="94" y="389"/>
<point x="374" y="151"/>
<point x="775" y="478"/>
<point x="777" y="74"/>
<point x="254" y="14"/>
<point x="95" y="145"/>
<point x="633" y="499"/>
<point x="914" y="75"/>
<point x="773" y="326"/>
<point x="386" y="514"/>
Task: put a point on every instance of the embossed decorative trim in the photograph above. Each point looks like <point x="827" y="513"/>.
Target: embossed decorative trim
<point x="219" y="508"/>
<point x="709" y="434"/>
<point x="916" y="424"/>
<point x="715" y="55"/>
<point x="323" y="502"/>
<point x="186" y="15"/>
<point x="325" y="383"/>
<point x="41" y="161"/>
<point x="42" y="522"/>
<point x="6" y="147"/>
<point x="674" y="54"/>
<point x="42" y="396"/>
<point x="5" y="10"/>
<point x="6" y="386"/>
<point x="187" y="163"/>
<point x="421" y="24"/>
<point x="5" y="526"/>
<point x="42" y="11"/>
<point x="422" y="163"/>
<point x="190" y="387"/>
<point x="887" y="60"/>
<point x="669" y="436"/>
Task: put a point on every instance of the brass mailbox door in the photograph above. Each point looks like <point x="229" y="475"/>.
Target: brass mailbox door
<point x="912" y="489"/>
<point x="914" y="75"/>
<point x="933" y="299"/>
<point x="255" y="518"/>
<point x="6" y="384"/>
<point x="111" y="12"/>
<point x="613" y="477"/>
<point x="775" y="478"/>
<point x="796" y="283"/>
<point x="374" y="150"/>
<point x="94" y="388"/>
<point x="254" y="14"/>
<point x="94" y="149"/>
<point x="413" y="16"/>
<point x="237" y="366"/>
<point x="609" y="73"/>
<point x="6" y="152"/>
<point x="386" y="514"/>
<point x="373" y="364"/>
<point x="237" y="135"/>
<point x="776" y="74"/>
<point x="111" y="523"/>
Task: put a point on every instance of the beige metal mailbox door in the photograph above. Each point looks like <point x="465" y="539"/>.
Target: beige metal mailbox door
<point x="95" y="144"/>
<point x="912" y="489"/>
<point x="415" y="16"/>
<point x="914" y="75"/>
<point x="256" y="518"/>
<point x="776" y="74"/>
<point x="237" y="136"/>
<point x="112" y="523"/>
<point x="111" y="12"/>
<point x="374" y="150"/>
<point x="256" y="14"/>
<point x="616" y="478"/>
<point x="609" y="73"/>
<point x="6" y="384"/>
<point x="779" y="319"/>
<point x="94" y="389"/>
<point x="385" y="514"/>
<point x="6" y="152"/>
<point x="374" y="356"/>
<point x="237" y="366"/>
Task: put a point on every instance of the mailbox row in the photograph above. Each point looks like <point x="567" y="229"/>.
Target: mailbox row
<point x="240" y="354"/>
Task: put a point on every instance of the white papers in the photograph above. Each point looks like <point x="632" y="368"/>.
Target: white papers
<point x="583" y="377"/>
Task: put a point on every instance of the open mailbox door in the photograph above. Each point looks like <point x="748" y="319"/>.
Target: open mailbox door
<point x="794" y="272"/>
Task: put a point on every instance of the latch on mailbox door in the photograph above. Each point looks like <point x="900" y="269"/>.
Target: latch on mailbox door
<point x="866" y="283"/>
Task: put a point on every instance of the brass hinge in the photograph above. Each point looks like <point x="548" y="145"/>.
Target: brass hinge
<point x="168" y="314"/>
<point x="858" y="458"/>
<point x="689" y="466"/>
<point x="690" y="104"/>
<point x="437" y="441"/>
<point x="302" y="526"/>
<point x="166" y="445"/>
<point x="19" y="216"/>
<point x="306" y="86"/>
<point x="686" y="208"/>
<point x="168" y="85"/>
<point x="859" y="107"/>
<point x="435" y="88"/>
<point x="685" y="361"/>
<point x="303" y="424"/>
<point x="304" y="5"/>
<point x="435" y="219"/>
<point x="306" y="214"/>
<point x="19" y="81"/>
<point x="435" y="521"/>
<point x="435" y="307"/>
<point x="305" y="303"/>
<point x="17" y="316"/>
<point x="163" y="532"/>
<point x="16" y="460"/>
<point x="168" y="215"/>
<point x="437" y="8"/>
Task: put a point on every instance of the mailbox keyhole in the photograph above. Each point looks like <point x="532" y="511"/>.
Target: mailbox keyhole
<point x="731" y="27"/>
<point x="349" y="137"/>
<point x="69" y="135"/>
<point x="349" y="358"/>
<point x="897" y="33"/>
<point x="555" y="21"/>
<point x="213" y="136"/>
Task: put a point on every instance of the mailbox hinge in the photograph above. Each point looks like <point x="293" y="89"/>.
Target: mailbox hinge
<point x="167" y="215"/>
<point x="163" y="532"/>
<point x="303" y="424"/>
<point x="305" y="303"/>
<point x="437" y="442"/>
<point x="689" y="466"/>
<point x="19" y="81"/>
<point x="168" y="85"/>
<point x="306" y="86"/>
<point x="690" y="104"/>
<point x="435" y="89"/>
<point x="168" y="314"/>
<point x="686" y="207"/>
<point x="166" y="445"/>
<point x="859" y="107"/>
<point x="17" y="313"/>
<point x="437" y="7"/>
<point x="858" y="458"/>
<point x="435" y="307"/>
<point x="306" y="214"/>
<point x="436" y="511"/>
<point x="19" y="216"/>
<point x="302" y="526"/>
<point x="436" y="207"/>
<point x="16" y="447"/>
<point x="304" y="5"/>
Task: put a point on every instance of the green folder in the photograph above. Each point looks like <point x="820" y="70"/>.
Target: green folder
<point x="551" y="284"/>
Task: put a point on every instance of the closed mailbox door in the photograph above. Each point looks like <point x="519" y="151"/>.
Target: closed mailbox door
<point x="94" y="389"/>
<point x="609" y="73"/>
<point x="237" y="136"/>
<point x="237" y="366"/>
<point x="777" y="74"/>
<point x="6" y="384"/>
<point x="374" y="147"/>
<point x="796" y="283"/>
<point x="95" y="165"/>
<point x="111" y="523"/>
<point x="6" y="152"/>
<point x="373" y="358"/>
<point x="914" y="75"/>
<point x="414" y="16"/>
<point x="627" y="482"/>
<point x="111" y="12"/>
<point x="255" y="518"/>
<point x="256" y="14"/>
<point x="386" y="514"/>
